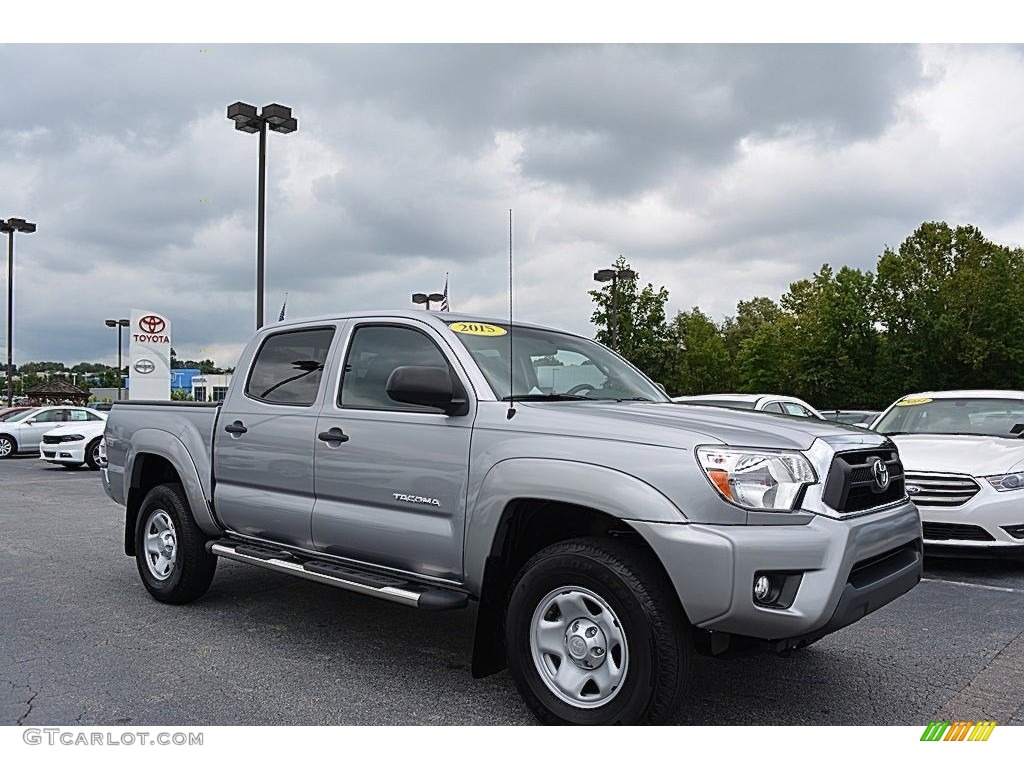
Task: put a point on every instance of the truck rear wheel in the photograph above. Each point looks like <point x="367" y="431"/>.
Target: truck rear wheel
<point x="595" y="635"/>
<point x="170" y="549"/>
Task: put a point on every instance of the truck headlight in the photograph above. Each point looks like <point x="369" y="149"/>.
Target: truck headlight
<point x="1011" y="482"/>
<point x="757" y="478"/>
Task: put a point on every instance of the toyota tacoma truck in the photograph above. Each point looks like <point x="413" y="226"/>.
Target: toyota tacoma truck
<point x="604" y="534"/>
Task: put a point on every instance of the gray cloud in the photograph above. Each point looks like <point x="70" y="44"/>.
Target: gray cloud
<point x="719" y="171"/>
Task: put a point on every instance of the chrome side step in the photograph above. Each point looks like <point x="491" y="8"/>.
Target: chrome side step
<point x="343" y="577"/>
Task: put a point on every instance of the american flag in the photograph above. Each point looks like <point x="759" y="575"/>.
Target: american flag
<point x="444" y="301"/>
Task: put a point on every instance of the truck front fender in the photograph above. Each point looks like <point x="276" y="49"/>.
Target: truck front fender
<point x="606" y="490"/>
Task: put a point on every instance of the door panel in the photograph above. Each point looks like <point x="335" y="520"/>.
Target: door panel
<point x="265" y="436"/>
<point x="394" y="493"/>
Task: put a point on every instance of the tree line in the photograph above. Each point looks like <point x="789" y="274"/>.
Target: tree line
<point x="944" y="310"/>
<point x="85" y="375"/>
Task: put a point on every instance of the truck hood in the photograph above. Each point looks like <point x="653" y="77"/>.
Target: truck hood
<point x="977" y="455"/>
<point x="667" y="424"/>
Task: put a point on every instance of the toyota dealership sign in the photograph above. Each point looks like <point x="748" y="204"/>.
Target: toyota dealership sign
<point x="149" y="353"/>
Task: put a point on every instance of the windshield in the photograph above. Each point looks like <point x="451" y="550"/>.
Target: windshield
<point x="18" y="415"/>
<point x="548" y="365"/>
<point x="998" y="417"/>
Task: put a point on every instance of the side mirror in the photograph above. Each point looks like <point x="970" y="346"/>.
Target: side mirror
<point x="661" y="386"/>
<point x="425" y="385"/>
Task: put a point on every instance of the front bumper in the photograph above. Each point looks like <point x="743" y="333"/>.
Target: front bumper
<point x="63" y="453"/>
<point x="977" y="527"/>
<point x="846" y="568"/>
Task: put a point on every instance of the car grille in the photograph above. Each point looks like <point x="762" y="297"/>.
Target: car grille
<point x="953" y="531"/>
<point x="935" y="490"/>
<point x="48" y="440"/>
<point x="851" y="485"/>
<point x="49" y="454"/>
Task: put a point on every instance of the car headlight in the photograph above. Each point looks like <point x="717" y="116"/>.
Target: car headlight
<point x="71" y="438"/>
<point x="1011" y="482"/>
<point x="756" y="478"/>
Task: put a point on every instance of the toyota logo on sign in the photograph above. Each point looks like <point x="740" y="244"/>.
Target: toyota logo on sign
<point x="151" y="324"/>
<point x="145" y="366"/>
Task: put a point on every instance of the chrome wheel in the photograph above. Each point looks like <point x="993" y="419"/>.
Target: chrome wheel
<point x="94" y="455"/>
<point x="161" y="541"/>
<point x="579" y="647"/>
<point x="6" y="447"/>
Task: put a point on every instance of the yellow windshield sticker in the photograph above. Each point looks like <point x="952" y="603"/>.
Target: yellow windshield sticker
<point x="915" y="401"/>
<point x="478" y="329"/>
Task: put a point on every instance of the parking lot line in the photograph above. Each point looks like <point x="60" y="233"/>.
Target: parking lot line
<point x="975" y="586"/>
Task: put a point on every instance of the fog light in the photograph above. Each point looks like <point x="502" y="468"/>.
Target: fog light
<point x="762" y="588"/>
<point x="65" y="455"/>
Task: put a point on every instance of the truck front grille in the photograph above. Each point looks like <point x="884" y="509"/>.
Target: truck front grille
<point x="935" y="490"/>
<point x="852" y="484"/>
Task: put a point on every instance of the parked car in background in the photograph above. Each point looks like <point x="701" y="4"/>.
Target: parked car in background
<point x="853" y="418"/>
<point x="14" y="412"/>
<point x="101" y="406"/>
<point x="23" y="435"/>
<point x="74" y="444"/>
<point x="963" y="455"/>
<point x="792" y="406"/>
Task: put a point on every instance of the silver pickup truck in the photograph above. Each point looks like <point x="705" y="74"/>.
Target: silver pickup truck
<point x="605" y="534"/>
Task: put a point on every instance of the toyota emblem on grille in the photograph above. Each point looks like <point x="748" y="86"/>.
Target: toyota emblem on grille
<point x="880" y="472"/>
<point x="145" y="366"/>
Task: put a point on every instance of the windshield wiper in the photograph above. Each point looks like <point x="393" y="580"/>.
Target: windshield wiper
<point x="553" y="396"/>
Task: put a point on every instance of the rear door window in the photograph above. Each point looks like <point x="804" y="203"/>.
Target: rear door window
<point x="289" y="367"/>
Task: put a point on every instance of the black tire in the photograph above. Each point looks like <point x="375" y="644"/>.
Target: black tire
<point x="658" y="637"/>
<point x="190" y="570"/>
<point x="7" y="447"/>
<point x="90" y="459"/>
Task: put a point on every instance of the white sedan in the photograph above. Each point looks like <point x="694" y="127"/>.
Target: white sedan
<point x="23" y="433"/>
<point x="74" y="444"/>
<point x="963" y="459"/>
<point x="786" y="404"/>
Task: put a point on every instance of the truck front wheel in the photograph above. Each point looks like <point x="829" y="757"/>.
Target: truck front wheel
<point x="170" y="549"/>
<point x="595" y="635"/>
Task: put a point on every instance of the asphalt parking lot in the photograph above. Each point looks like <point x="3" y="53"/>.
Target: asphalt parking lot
<point x="84" y="644"/>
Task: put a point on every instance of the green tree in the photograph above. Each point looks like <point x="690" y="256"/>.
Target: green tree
<point x="643" y="334"/>
<point x="835" y="341"/>
<point x="951" y="312"/>
<point x="703" y="363"/>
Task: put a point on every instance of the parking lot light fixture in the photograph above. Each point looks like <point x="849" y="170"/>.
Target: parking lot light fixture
<point x="613" y="275"/>
<point x="118" y="324"/>
<point x="248" y="119"/>
<point x="426" y="298"/>
<point x="11" y="226"/>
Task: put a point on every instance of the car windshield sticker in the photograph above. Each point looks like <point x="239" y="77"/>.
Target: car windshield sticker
<point x="478" y="329"/>
<point x="914" y="401"/>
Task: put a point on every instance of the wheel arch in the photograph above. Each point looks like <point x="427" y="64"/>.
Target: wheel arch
<point x="528" y="525"/>
<point x="158" y="457"/>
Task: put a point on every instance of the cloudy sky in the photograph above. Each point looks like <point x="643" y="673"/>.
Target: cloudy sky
<point x="722" y="172"/>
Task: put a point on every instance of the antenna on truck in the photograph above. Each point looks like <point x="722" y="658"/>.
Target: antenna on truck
<point x="511" y="400"/>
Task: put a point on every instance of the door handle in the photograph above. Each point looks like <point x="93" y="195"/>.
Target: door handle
<point x="236" y="428"/>
<point x="333" y="435"/>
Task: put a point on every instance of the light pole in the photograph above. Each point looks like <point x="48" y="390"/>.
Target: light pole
<point x="426" y="298"/>
<point x="248" y="120"/>
<point x="10" y="227"/>
<point x="603" y="276"/>
<point x="118" y="324"/>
